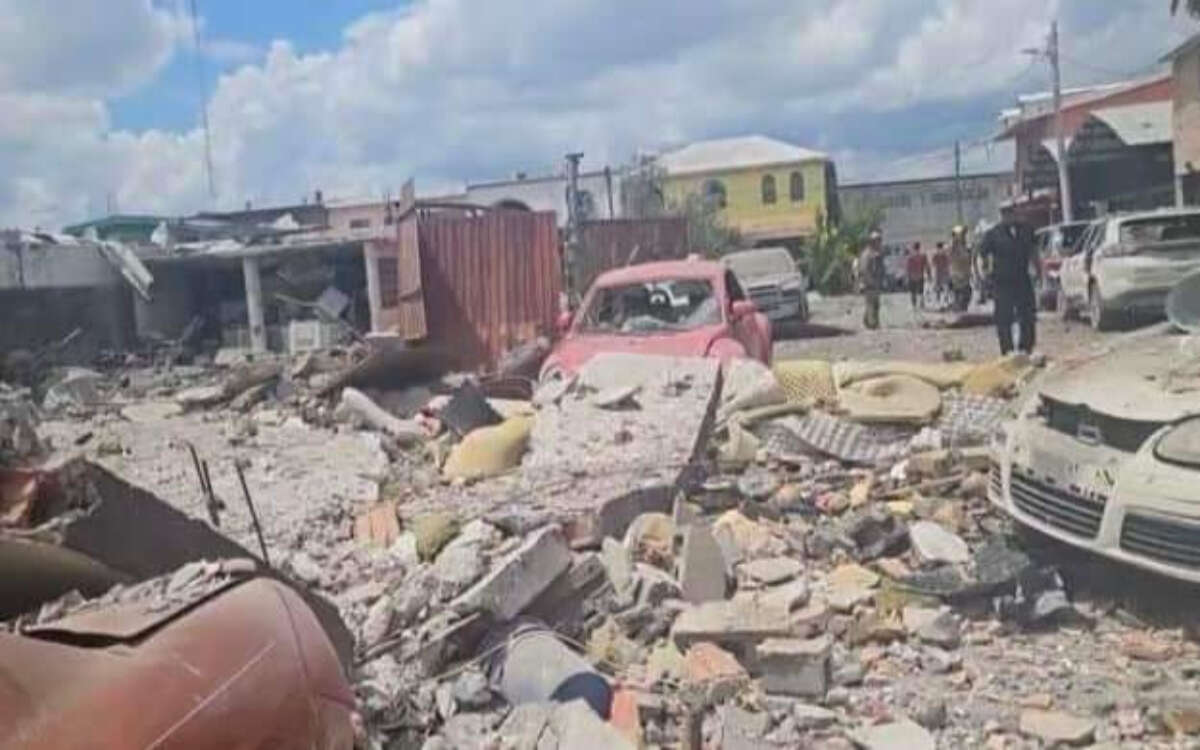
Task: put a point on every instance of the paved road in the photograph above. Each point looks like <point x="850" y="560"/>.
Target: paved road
<point x="904" y="335"/>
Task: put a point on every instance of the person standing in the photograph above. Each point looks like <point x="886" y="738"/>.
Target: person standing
<point x="1009" y="249"/>
<point x="915" y="269"/>
<point x="941" y="274"/>
<point x="870" y="278"/>
<point x="960" y="269"/>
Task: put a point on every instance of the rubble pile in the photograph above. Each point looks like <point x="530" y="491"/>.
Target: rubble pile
<point x="657" y="553"/>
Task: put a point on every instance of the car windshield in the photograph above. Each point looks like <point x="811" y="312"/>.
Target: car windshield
<point x="766" y="262"/>
<point x="652" y="307"/>
<point x="1161" y="229"/>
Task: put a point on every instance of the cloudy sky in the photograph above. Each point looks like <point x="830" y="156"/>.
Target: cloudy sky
<point x="100" y="100"/>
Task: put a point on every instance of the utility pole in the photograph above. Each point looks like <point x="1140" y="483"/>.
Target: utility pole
<point x="1064" y="176"/>
<point x="958" y="180"/>
<point x="573" y="219"/>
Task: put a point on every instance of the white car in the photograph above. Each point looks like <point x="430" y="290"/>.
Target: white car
<point x="772" y="282"/>
<point x="1128" y="263"/>
<point x="1106" y="454"/>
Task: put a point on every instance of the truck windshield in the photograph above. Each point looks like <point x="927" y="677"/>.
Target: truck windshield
<point x="652" y="307"/>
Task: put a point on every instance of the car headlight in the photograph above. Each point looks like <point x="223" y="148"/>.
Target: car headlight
<point x="1181" y="444"/>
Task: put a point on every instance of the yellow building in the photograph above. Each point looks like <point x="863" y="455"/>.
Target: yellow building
<point x="770" y="191"/>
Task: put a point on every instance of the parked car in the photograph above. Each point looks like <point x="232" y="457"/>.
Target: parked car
<point x="1126" y="264"/>
<point x="1106" y="455"/>
<point x="1055" y="243"/>
<point x="682" y="308"/>
<point x="772" y="281"/>
<point x="246" y="665"/>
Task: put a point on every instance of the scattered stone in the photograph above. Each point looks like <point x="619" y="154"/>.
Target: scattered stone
<point x="741" y="620"/>
<point x="1055" y="727"/>
<point x="1144" y="646"/>
<point x="832" y="503"/>
<point x="617" y="564"/>
<point x="933" y="544"/>
<point x="848" y="673"/>
<point x="975" y="485"/>
<point x="608" y="645"/>
<point x="810" y="717"/>
<point x="577" y="725"/>
<point x="931" y="713"/>
<point x="517" y="579"/>
<point x="872" y="627"/>
<point x="943" y="631"/>
<point x="916" y="618"/>
<point x="757" y="483"/>
<point x="771" y="570"/>
<point x="795" y="667"/>
<point x="654" y="585"/>
<point x="1182" y="718"/>
<point x="893" y="567"/>
<point x="379" y="621"/>
<point x="715" y="669"/>
<point x="852" y="576"/>
<point x="471" y="690"/>
<point x="811" y="619"/>
<point x="748" y="539"/>
<point x="305" y="568"/>
<point x="665" y="662"/>
<point x="701" y="566"/>
<point x="951" y="515"/>
<point x="897" y="735"/>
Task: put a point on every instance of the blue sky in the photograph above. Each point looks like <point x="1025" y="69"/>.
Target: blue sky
<point x="353" y="97"/>
<point x="235" y="33"/>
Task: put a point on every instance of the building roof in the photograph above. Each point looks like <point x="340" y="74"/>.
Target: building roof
<point x="733" y="153"/>
<point x="1139" y="124"/>
<point x="1189" y="45"/>
<point x="1033" y="107"/>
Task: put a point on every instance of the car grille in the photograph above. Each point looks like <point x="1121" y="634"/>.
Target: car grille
<point x="1126" y="435"/>
<point x="1061" y="508"/>
<point x="995" y="479"/>
<point x="1159" y="539"/>
<point x="765" y="297"/>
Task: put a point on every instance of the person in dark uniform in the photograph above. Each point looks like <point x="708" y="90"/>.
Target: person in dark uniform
<point x="870" y="278"/>
<point x="1009" y="248"/>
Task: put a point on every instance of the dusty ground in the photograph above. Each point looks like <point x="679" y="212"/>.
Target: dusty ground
<point x="896" y="339"/>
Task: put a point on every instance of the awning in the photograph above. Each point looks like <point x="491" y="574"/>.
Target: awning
<point x="1139" y="124"/>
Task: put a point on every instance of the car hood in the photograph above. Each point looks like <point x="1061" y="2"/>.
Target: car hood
<point x="577" y="348"/>
<point x="1153" y="376"/>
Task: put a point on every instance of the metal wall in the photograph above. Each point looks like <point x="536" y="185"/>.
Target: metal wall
<point x="610" y="244"/>
<point x="489" y="282"/>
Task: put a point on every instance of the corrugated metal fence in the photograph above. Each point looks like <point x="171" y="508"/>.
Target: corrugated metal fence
<point x="611" y="244"/>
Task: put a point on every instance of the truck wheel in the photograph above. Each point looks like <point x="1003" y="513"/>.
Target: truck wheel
<point x="1102" y="318"/>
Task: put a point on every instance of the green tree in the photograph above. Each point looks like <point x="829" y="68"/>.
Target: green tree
<point x="1191" y="6"/>
<point x="833" y="248"/>
<point x="643" y="196"/>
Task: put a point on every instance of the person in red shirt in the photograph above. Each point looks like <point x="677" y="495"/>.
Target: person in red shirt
<point x="915" y="268"/>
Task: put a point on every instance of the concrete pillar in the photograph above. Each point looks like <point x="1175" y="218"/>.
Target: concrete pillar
<point x="1179" y="191"/>
<point x="371" y="265"/>
<point x="254" y="304"/>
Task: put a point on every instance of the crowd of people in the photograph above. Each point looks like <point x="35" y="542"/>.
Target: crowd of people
<point x="1000" y="266"/>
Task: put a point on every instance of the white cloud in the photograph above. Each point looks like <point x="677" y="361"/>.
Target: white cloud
<point x="449" y="90"/>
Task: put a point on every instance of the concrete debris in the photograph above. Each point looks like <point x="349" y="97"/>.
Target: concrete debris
<point x="771" y="570"/>
<point x="933" y="544"/>
<point x="795" y="667"/>
<point x="741" y="589"/>
<point x="897" y="735"/>
<point x="1057" y="728"/>
<point x="516" y="581"/>
<point x="702" y="568"/>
